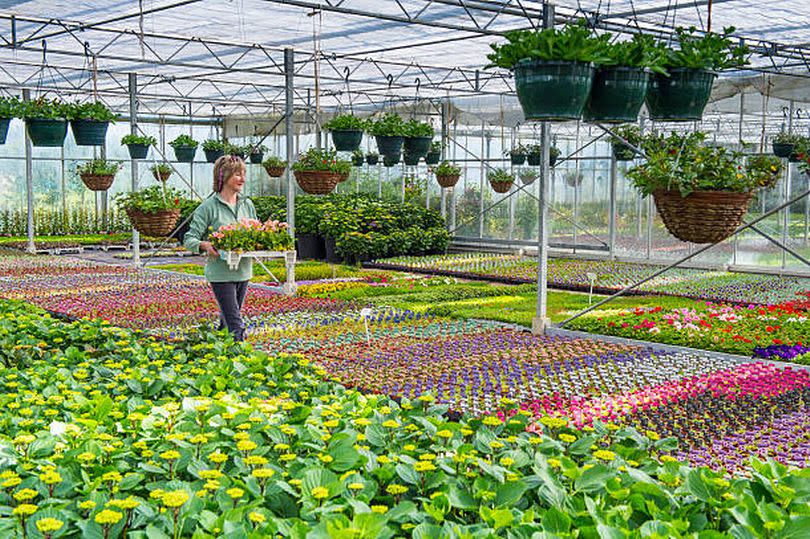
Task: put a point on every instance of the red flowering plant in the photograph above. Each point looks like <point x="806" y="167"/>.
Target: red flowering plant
<point x="252" y="235"/>
<point x="322" y="159"/>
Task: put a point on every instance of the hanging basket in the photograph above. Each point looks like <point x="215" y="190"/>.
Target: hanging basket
<point x="257" y="157"/>
<point x="162" y="177"/>
<point x="433" y="158"/>
<point x="372" y="159"/>
<point x="418" y="146"/>
<point x="552" y="90"/>
<point x="617" y="94"/>
<point x="783" y="150"/>
<point x="4" y="124"/>
<point x="358" y="161"/>
<point x="211" y="156"/>
<point x="347" y="140"/>
<point x="680" y="97"/>
<point x="501" y="187"/>
<point x="702" y="216"/>
<point x="89" y="132"/>
<point x="411" y="160"/>
<point x="45" y="132"/>
<point x="185" y="154"/>
<point x="274" y="172"/>
<point x="389" y="145"/>
<point x="97" y="182"/>
<point x="621" y="152"/>
<point x="390" y="160"/>
<point x="794" y="157"/>
<point x="517" y="158"/>
<point x="157" y="224"/>
<point x="448" y="180"/>
<point x="343" y="176"/>
<point x="138" y="151"/>
<point x="527" y="179"/>
<point x="317" y="182"/>
<point x="534" y="159"/>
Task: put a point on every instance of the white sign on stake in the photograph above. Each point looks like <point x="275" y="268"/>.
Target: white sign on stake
<point x="366" y="312"/>
<point x="592" y="278"/>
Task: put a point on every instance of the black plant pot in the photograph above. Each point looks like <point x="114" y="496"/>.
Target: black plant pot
<point x="419" y="146"/>
<point x="89" y="132"/>
<point x="389" y="145"/>
<point x="358" y="161"/>
<point x="680" y="96"/>
<point x="257" y="157"/>
<point x="347" y="140"/>
<point x="185" y="154"/>
<point x="617" y="94"/>
<point x="534" y="159"/>
<point x="212" y="155"/>
<point x="517" y="158"/>
<point x="390" y="160"/>
<point x="781" y="149"/>
<point x="411" y="160"/>
<point x="357" y="259"/>
<point x="4" y="123"/>
<point x="372" y="159"/>
<point x="45" y="132"/>
<point x="138" y="151"/>
<point x="433" y="158"/>
<point x="331" y="254"/>
<point x="311" y="247"/>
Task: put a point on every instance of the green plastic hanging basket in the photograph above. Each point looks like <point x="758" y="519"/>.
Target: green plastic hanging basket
<point x="417" y="145"/>
<point x="433" y="158"/>
<point x="211" y="156"/>
<point x="617" y="94"/>
<point x="185" y="154"/>
<point x="347" y="140"/>
<point x="89" y="132"/>
<point x="138" y="151"/>
<point x="681" y="97"/>
<point x="45" y="132"/>
<point x="534" y="159"/>
<point x="4" y="123"/>
<point x="553" y="90"/>
<point x="390" y="160"/>
<point x="411" y="160"/>
<point x="517" y="158"/>
<point x="389" y="145"/>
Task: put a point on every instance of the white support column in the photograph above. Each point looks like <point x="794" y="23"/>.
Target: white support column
<point x="133" y="129"/>
<point x="614" y="172"/>
<point x="29" y="185"/>
<point x="290" y="287"/>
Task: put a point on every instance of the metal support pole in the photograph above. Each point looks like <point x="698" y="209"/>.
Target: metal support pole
<point x="614" y="172"/>
<point x="104" y="223"/>
<point x="133" y="129"/>
<point x="445" y="135"/>
<point x="290" y="287"/>
<point x="64" y="186"/>
<point x="29" y="185"/>
<point x="481" y="183"/>
<point x="541" y="321"/>
<point x="786" y="216"/>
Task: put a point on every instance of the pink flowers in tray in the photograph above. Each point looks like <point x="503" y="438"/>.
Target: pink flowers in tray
<point x="252" y="235"/>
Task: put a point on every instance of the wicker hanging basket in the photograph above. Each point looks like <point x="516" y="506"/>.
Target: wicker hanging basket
<point x="343" y="176"/>
<point x="274" y="172"/>
<point x="447" y="180"/>
<point x="156" y="224"/>
<point x="501" y="186"/>
<point x="317" y="182"/>
<point x="161" y="176"/>
<point x="97" y="182"/>
<point x="702" y="216"/>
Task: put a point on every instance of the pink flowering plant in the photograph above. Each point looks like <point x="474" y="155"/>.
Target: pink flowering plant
<point x="252" y="235"/>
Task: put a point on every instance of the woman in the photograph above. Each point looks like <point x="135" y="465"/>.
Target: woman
<point x="227" y="205"/>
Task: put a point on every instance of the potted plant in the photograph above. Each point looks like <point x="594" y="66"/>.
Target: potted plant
<point x="161" y="171"/>
<point x="372" y="158"/>
<point x="45" y="122"/>
<point x="391" y="160"/>
<point x="318" y="171"/>
<point x="184" y="148"/>
<point x="347" y="131"/>
<point x="785" y="143"/>
<point x="573" y="178"/>
<point x="274" y="166"/>
<point x="553" y="68"/>
<point x="358" y="158"/>
<point x="410" y="159"/>
<point x="152" y="211"/>
<point x="528" y="176"/>
<point x="98" y="174"/>
<point x="764" y="170"/>
<point x="517" y="155"/>
<point x="418" y="137"/>
<point x="310" y="244"/>
<point x="213" y="149"/>
<point x="9" y="108"/>
<point x="89" y="122"/>
<point x="335" y="222"/>
<point x="620" y="81"/>
<point x="447" y="174"/>
<point x="621" y="151"/>
<point x="500" y="180"/>
<point x="389" y="132"/>
<point x="801" y="149"/>
<point x="701" y="192"/>
<point x="682" y="94"/>
<point x="256" y="153"/>
<point x="251" y="235"/>
<point x="239" y="150"/>
<point x="534" y="155"/>
<point x="434" y="155"/>
<point x="137" y="145"/>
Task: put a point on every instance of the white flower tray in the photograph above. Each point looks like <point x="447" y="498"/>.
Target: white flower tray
<point x="233" y="258"/>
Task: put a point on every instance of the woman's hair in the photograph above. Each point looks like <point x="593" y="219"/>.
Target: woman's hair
<point x="225" y="167"/>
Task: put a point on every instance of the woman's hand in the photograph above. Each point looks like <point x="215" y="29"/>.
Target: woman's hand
<point x="207" y="247"/>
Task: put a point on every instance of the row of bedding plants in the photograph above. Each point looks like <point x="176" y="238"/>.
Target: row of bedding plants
<point x="355" y="228"/>
<point x="108" y="434"/>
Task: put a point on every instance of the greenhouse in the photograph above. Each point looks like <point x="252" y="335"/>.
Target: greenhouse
<point x="404" y="268"/>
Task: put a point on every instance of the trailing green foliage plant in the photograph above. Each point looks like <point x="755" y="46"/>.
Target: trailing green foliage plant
<point x="43" y="108"/>
<point x="92" y="110"/>
<point x="345" y="122"/>
<point x="643" y="51"/>
<point x="415" y="128"/>
<point x="388" y="125"/>
<point x="711" y="51"/>
<point x="436" y="146"/>
<point x="446" y="168"/>
<point x="9" y="107"/>
<point x="184" y="141"/>
<point x="99" y="167"/>
<point x="500" y="175"/>
<point x="764" y="170"/>
<point x="517" y="149"/>
<point x="143" y="140"/>
<point x="322" y="159"/>
<point x="161" y="168"/>
<point x="213" y="145"/>
<point x="274" y="162"/>
<point x="785" y="137"/>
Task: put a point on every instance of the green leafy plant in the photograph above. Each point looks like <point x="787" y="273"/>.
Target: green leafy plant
<point x="517" y="149"/>
<point x="537" y="149"/>
<point x="436" y="146"/>
<point x="500" y="175"/>
<point x="99" y="167"/>
<point x="572" y="43"/>
<point x="274" y="162"/>
<point x="345" y="122"/>
<point x="213" y="145"/>
<point x="261" y="148"/>
<point x="712" y="51"/>
<point x="161" y="168"/>
<point x="184" y="141"/>
<point x="764" y="170"/>
<point x="322" y="159"/>
<point x="415" y="128"/>
<point x="150" y="200"/>
<point x="642" y="51"/>
<point x="372" y="154"/>
<point x="9" y="107"/>
<point x="93" y="110"/>
<point x="389" y="125"/>
<point x="138" y="139"/>
<point x="445" y="168"/>
<point x="683" y="163"/>
<point x="785" y="137"/>
<point x="43" y="108"/>
<point x="629" y="132"/>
